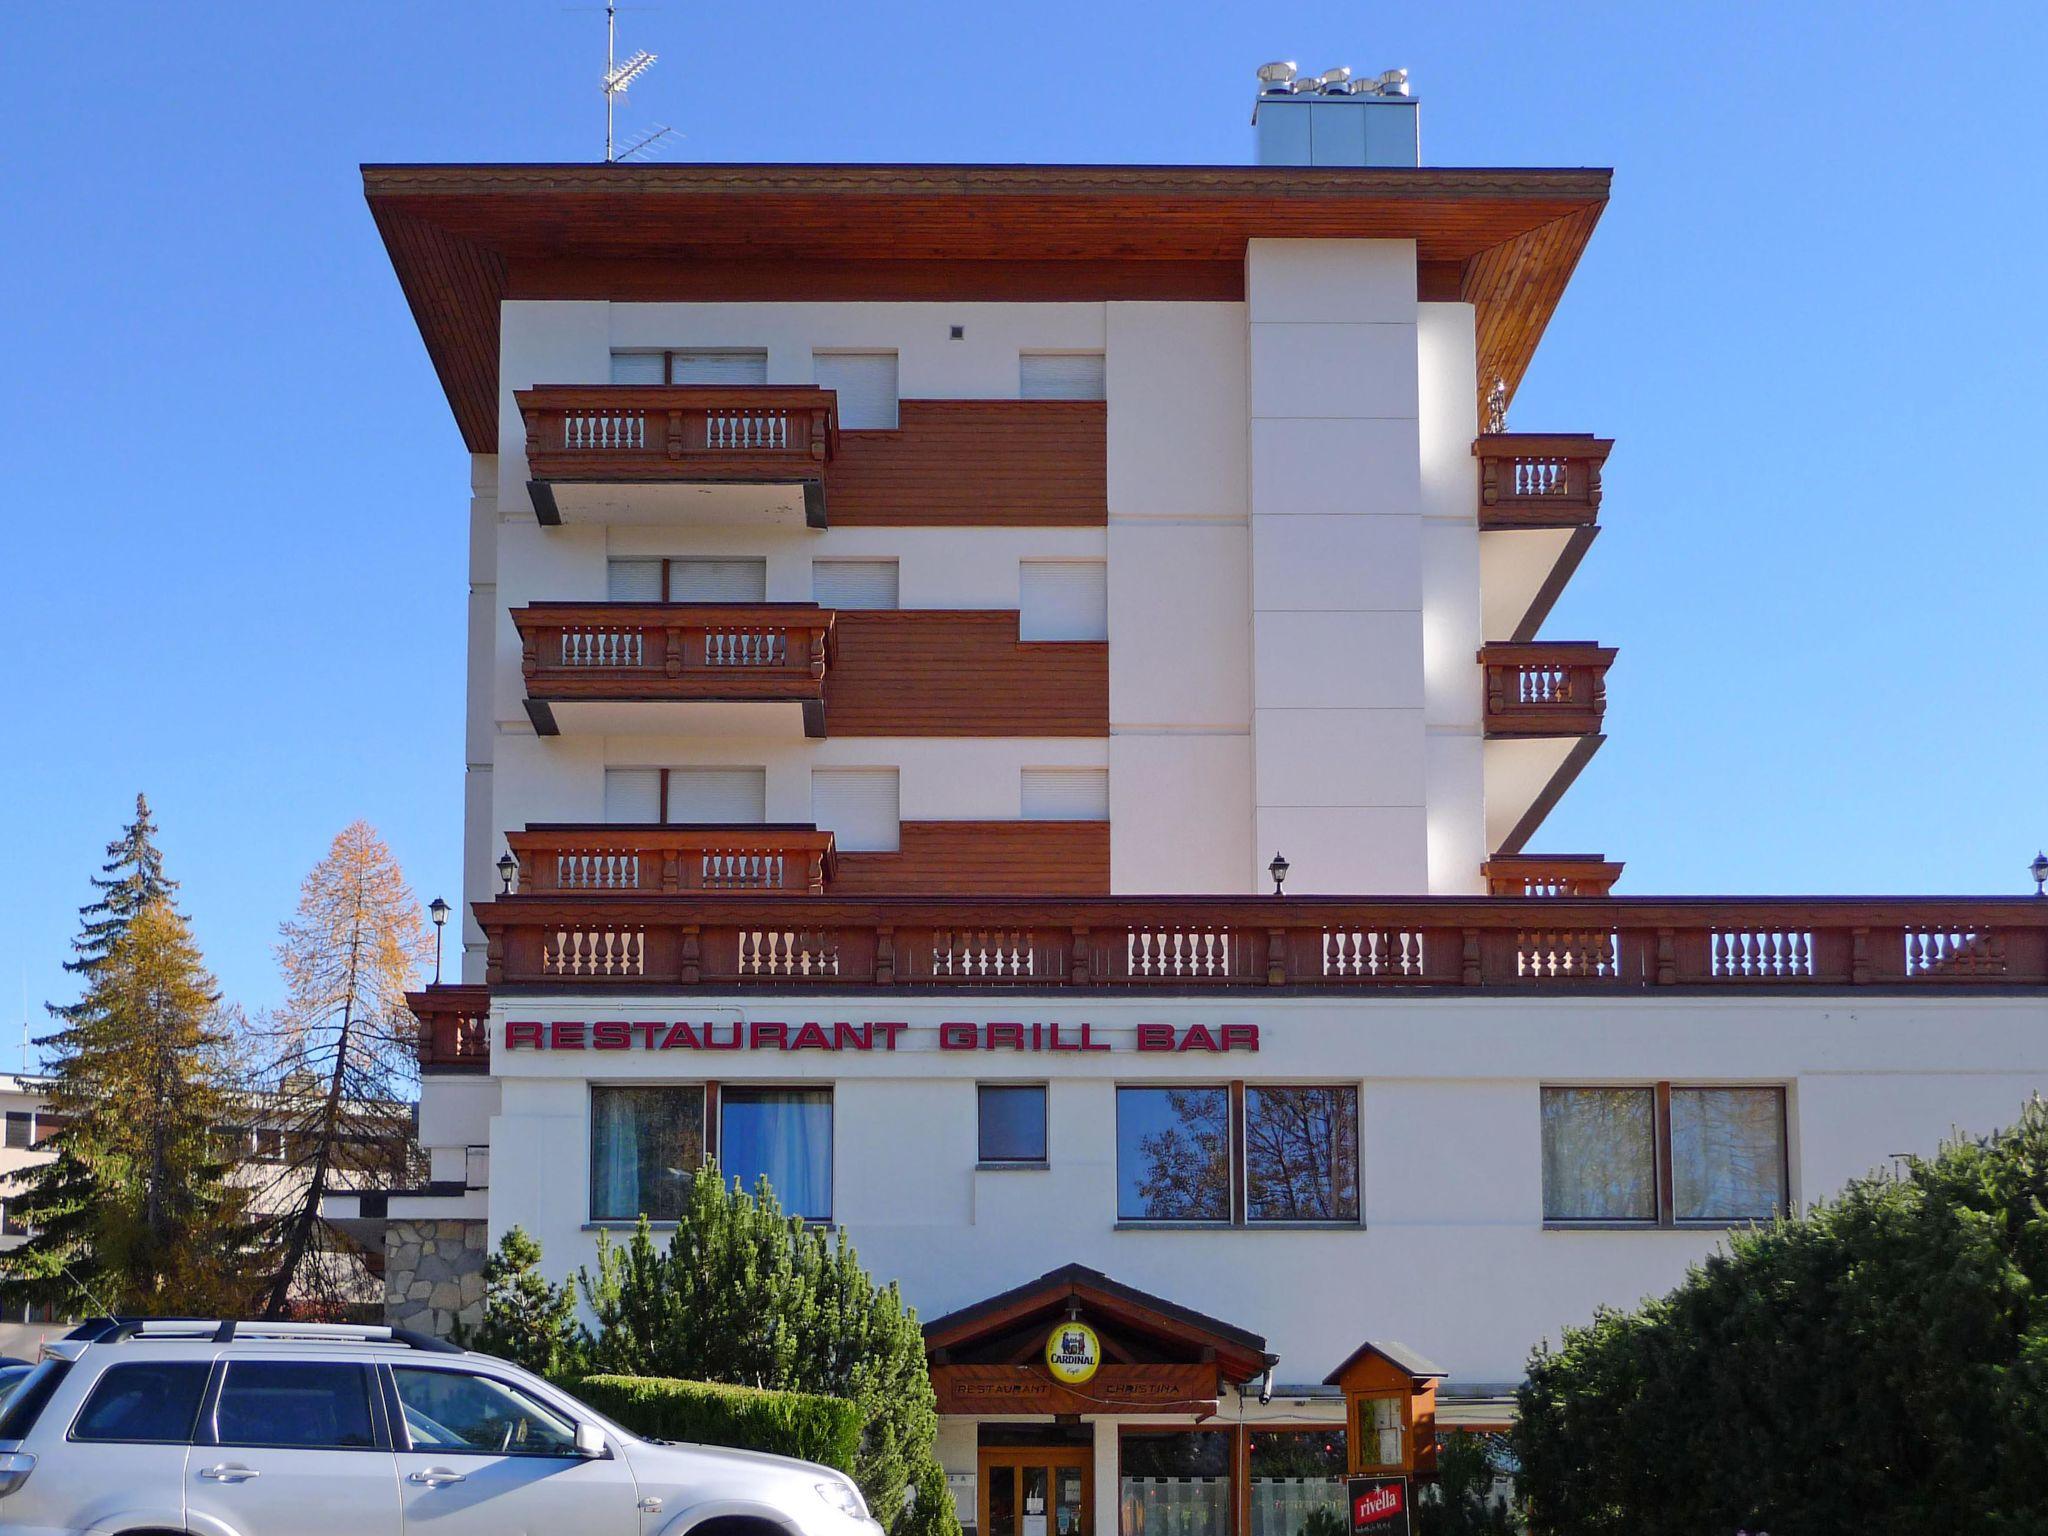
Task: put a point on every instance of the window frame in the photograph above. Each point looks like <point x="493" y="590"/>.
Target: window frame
<point x="401" y="1432"/>
<point x="1233" y="1156"/>
<point x="207" y="1431"/>
<point x="1238" y="1095"/>
<point x="1242" y="1110"/>
<point x="202" y="1410"/>
<point x="710" y="1107"/>
<point x="830" y="1091"/>
<point x="1667" y="1219"/>
<point x="982" y="1160"/>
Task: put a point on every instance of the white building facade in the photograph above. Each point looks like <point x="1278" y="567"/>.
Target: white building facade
<point x="911" y="607"/>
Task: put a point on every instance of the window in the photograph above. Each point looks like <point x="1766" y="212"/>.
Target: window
<point x="11" y="1222"/>
<point x="718" y="365"/>
<point x="266" y="1145"/>
<point x="315" y="1405"/>
<point x="865" y="584"/>
<point x="1604" y="1148"/>
<point x="718" y="795"/>
<point x="1063" y="600"/>
<point x="1066" y="794"/>
<point x="632" y="796"/>
<point x="860" y="806"/>
<point x="1301" y="1154"/>
<point x="866" y="384"/>
<point x="782" y="1135"/>
<point x="717" y="581"/>
<point x="645" y="1144"/>
<point x="632" y="581"/>
<point x="1060" y="376"/>
<point x="1175" y="1481"/>
<point x="455" y="1411"/>
<point x="1173" y="1154"/>
<point x="156" y="1401"/>
<point x="31" y="1395"/>
<point x="21" y="1128"/>
<point x="639" y="367"/>
<point x="1012" y="1123"/>
<point x="1298" y="1480"/>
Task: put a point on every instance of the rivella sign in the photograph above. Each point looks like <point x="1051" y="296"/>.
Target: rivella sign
<point x="872" y="1035"/>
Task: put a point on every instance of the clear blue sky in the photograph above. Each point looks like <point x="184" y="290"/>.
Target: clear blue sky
<point x="1813" y="317"/>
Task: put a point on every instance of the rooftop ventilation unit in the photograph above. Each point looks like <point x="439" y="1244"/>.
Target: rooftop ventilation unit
<point x="1334" y="119"/>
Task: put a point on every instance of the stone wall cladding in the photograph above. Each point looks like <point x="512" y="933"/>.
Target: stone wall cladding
<point x="434" y="1275"/>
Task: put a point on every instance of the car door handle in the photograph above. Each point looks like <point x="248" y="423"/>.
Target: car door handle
<point x="434" y="1477"/>
<point x="229" y="1472"/>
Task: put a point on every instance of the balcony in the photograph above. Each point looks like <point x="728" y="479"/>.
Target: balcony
<point x="560" y="859"/>
<point x="710" y="668"/>
<point x="1546" y="688"/>
<point x="657" y="453"/>
<point x="454" y="1035"/>
<point x="1539" y="504"/>
<point x="1550" y="874"/>
<point x="1109" y="945"/>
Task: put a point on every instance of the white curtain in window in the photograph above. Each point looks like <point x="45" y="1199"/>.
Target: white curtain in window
<point x="1060" y="376"/>
<point x="615" y="1156"/>
<point x="712" y="365"/>
<point x="1063" y="600"/>
<point x="861" y="806"/>
<point x="866" y="382"/>
<point x="1727" y="1153"/>
<point x="1176" y="1506"/>
<point x="859" y="584"/>
<point x="784" y="1136"/>
<point x="1285" y="1506"/>
<point x="1599" y="1154"/>
<point x="632" y="796"/>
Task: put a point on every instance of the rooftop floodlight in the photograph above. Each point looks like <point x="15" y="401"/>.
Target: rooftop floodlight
<point x="1277" y="78"/>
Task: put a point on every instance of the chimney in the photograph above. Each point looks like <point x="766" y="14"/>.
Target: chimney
<point x="1332" y="119"/>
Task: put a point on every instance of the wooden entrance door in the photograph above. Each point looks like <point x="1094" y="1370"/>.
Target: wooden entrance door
<point x="1037" y="1491"/>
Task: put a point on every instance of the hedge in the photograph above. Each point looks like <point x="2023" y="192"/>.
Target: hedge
<point x="802" y="1424"/>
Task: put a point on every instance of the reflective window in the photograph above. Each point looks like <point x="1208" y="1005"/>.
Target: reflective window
<point x="1727" y="1153"/>
<point x="453" y="1410"/>
<point x="1012" y="1123"/>
<point x="1173" y="1154"/>
<point x="155" y="1401"/>
<point x="1599" y="1154"/>
<point x="315" y="1405"/>
<point x="1301" y="1154"/>
<point x="21" y="1128"/>
<point x="1298" y="1481"/>
<point x="784" y="1136"/>
<point x="645" y="1146"/>
<point x="1175" y="1481"/>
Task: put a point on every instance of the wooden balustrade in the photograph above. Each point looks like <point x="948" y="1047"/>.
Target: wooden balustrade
<point x="720" y="432"/>
<point x="1545" y="687"/>
<point x="719" y="942"/>
<point x="454" y="1033"/>
<point x="1550" y="874"/>
<point x="1539" y="480"/>
<point x="679" y="652"/>
<point x="613" y="860"/>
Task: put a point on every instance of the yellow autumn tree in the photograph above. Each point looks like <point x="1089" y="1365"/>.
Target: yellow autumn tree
<point x="341" y="1063"/>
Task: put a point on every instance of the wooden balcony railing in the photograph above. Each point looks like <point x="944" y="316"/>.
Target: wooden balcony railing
<point x="1550" y="874"/>
<point x="1539" y="480"/>
<point x="679" y="652"/>
<point x="1546" y="687"/>
<point x="613" y="860"/>
<point x="679" y="432"/>
<point x="1197" y="944"/>
<point x="454" y="1027"/>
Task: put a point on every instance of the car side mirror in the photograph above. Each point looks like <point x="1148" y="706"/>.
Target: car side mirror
<point x="589" y="1442"/>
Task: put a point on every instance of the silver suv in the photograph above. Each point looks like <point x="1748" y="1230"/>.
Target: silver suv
<point x="261" y="1429"/>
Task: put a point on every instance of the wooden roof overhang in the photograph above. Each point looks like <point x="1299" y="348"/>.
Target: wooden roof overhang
<point x="463" y="238"/>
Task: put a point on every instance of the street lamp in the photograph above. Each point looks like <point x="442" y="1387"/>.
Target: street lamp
<point x="2039" y="870"/>
<point x="1278" y="870"/>
<point x="437" y="909"/>
<point x="508" y="867"/>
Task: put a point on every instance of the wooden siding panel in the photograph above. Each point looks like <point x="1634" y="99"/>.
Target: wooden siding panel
<point x="926" y="672"/>
<point x="977" y="463"/>
<point x="998" y="858"/>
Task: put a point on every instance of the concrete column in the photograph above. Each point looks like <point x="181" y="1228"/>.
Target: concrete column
<point x="479" y="738"/>
<point x="1338" y="723"/>
<point x="1108" y="1505"/>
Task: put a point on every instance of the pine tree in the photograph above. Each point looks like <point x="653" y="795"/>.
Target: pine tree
<point x="343" y="1056"/>
<point x="526" y="1319"/>
<point x="132" y="877"/>
<point x="135" y="1211"/>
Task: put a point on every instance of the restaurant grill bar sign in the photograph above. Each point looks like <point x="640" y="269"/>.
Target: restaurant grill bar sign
<point x="1379" y="1506"/>
<point x="871" y="1035"/>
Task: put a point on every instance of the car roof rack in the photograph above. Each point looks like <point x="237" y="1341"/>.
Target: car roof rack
<point x="226" y="1330"/>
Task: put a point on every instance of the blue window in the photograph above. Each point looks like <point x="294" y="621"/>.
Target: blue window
<point x="783" y="1135"/>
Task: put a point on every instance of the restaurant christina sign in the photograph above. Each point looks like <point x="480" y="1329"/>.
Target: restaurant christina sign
<point x="869" y="1035"/>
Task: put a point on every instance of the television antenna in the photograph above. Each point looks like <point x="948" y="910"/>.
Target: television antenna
<point x="617" y="76"/>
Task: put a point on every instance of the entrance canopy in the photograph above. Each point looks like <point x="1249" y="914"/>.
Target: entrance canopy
<point x="1155" y="1356"/>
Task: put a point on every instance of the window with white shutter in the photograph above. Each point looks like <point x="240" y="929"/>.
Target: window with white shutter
<point x="1063" y="600"/>
<point x="639" y="367"/>
<point x="1060" y="376"/>
<point x="866" y="382"/>
<point x="718" y="366"/>
<point x="632" y="796"/>
<point x="633" y="581"/>
<point x="717" y="581"/>
<point x="737" y="795"/>
<point x="858" y="805"/>
<point x="1066" y="794"/>
<point x="853" y="583"/>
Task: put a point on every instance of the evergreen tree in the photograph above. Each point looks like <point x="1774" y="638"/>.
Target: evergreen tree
<point x="134" y="1212"/>
<point x="526" y="1320"/>
<point x="131" y="878"/>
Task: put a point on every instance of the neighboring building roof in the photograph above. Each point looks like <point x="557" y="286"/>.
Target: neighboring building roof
<point x="462" y="238"/>
<point x="1398" y="1355"/>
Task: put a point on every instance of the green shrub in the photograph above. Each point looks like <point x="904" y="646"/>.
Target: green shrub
<point x="803" y="1424"/>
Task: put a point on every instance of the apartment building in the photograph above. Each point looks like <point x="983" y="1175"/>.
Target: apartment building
<point x="1015" y="702"/>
